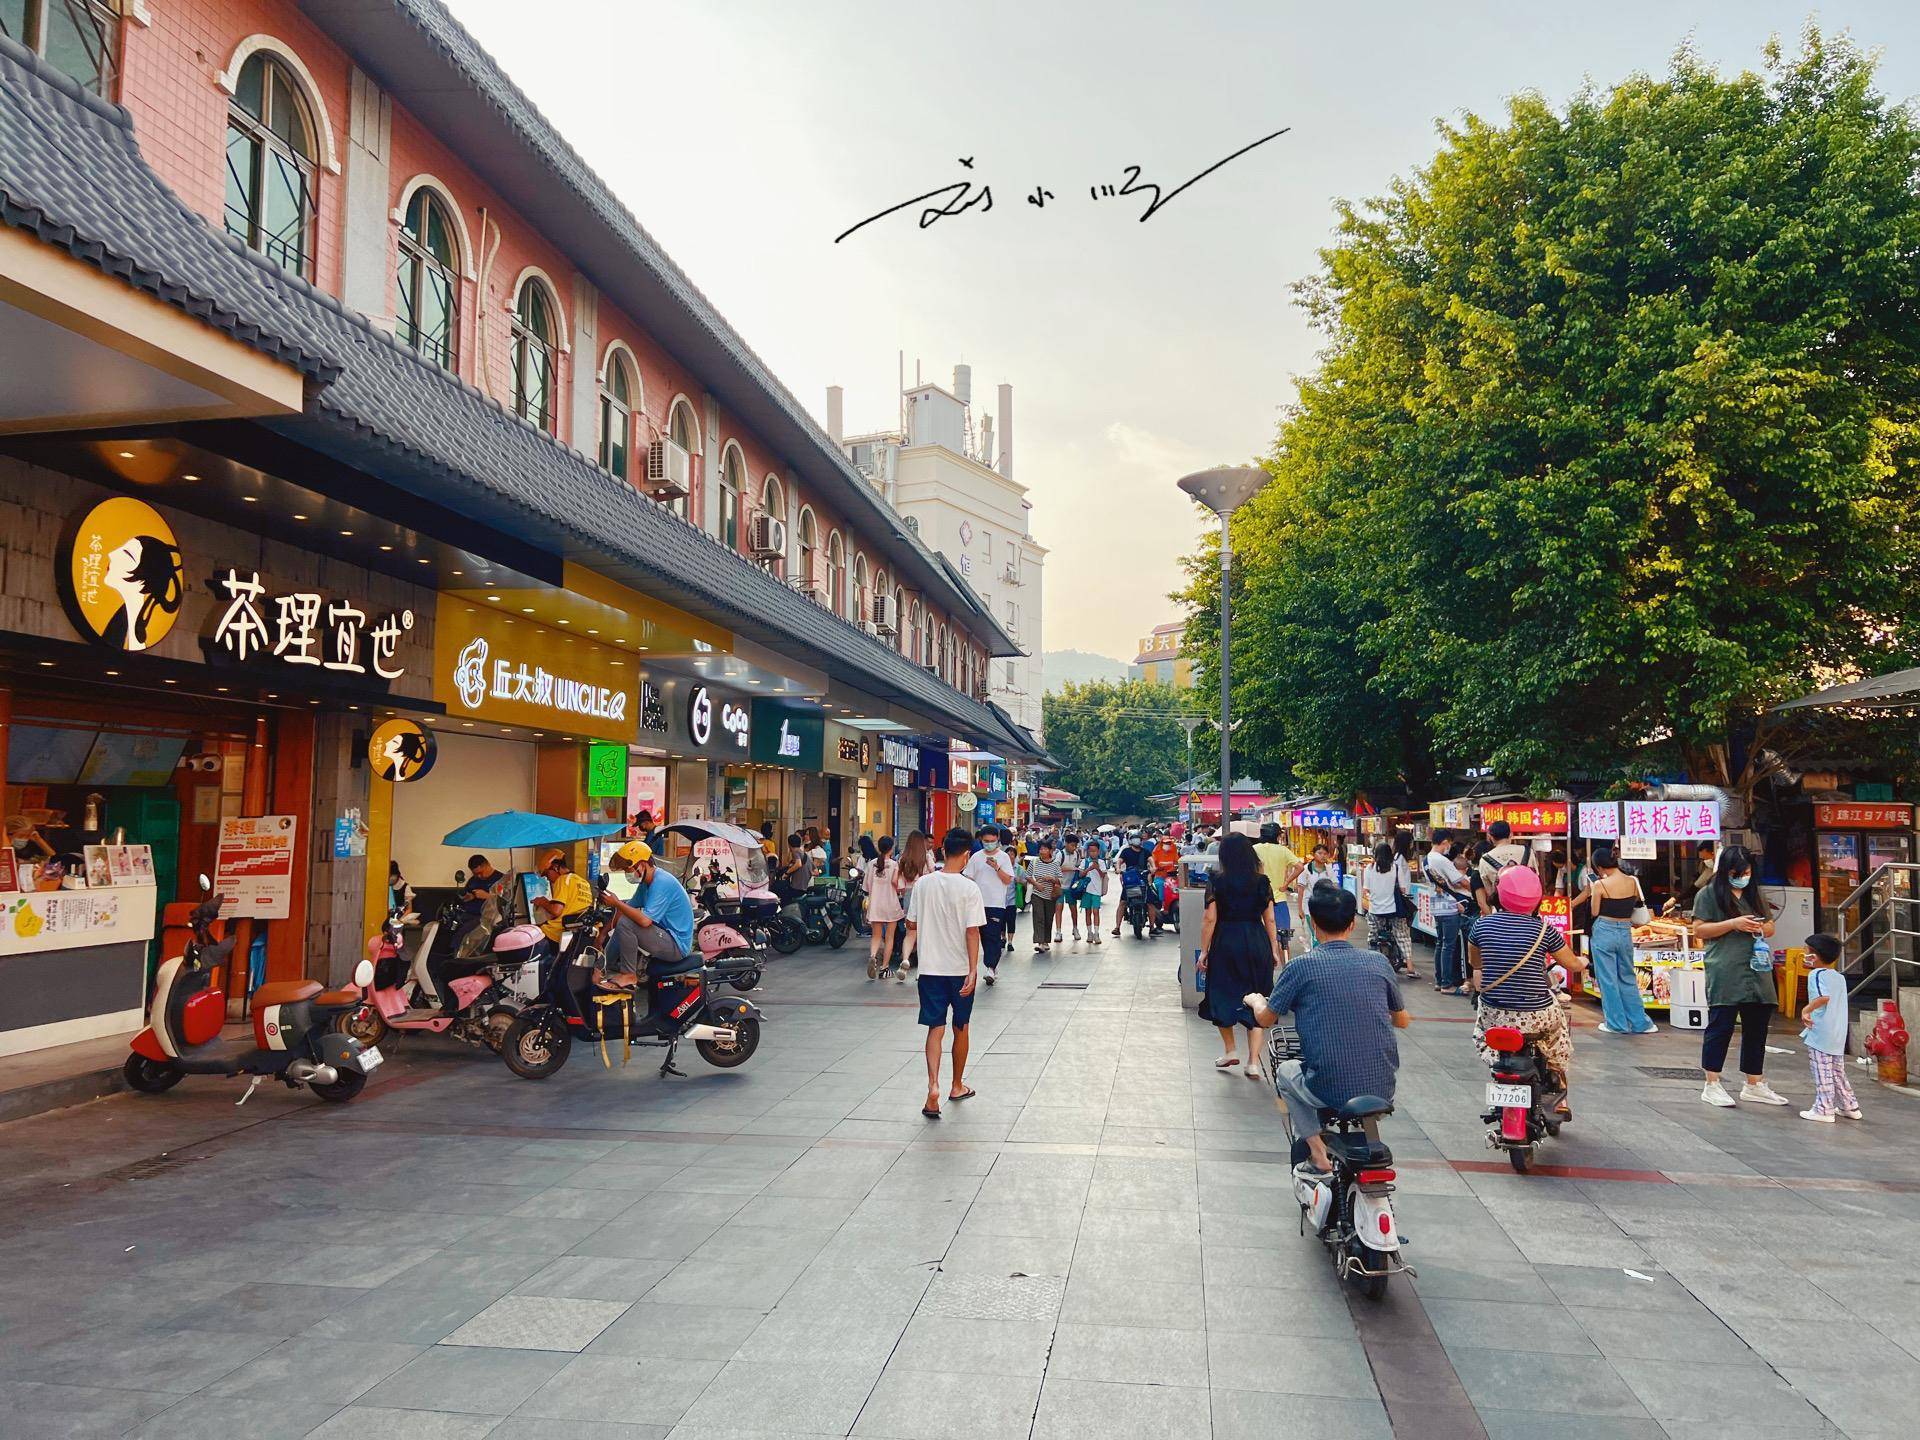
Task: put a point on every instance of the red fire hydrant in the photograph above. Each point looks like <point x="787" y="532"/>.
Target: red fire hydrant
<point x="1888" y="1044"/>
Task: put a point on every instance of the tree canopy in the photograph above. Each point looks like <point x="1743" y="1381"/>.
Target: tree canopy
<point x="1118" y="742"/>
<point x="1612" y="444"/>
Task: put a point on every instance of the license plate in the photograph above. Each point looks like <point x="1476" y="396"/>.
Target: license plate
<point x="1502" y="1097"/>
<point x="370" y="1057"/>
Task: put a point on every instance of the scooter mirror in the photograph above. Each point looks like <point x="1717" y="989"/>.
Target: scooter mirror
<point x="206" y="885"/>
<point x="363" y="974"/>
<point x="459" y="877"/>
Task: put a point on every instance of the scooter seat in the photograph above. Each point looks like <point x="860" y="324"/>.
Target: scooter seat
<point x="1363" y="1107"/>
<point x="685" y="965"/>
<point x="1356" y="1149"/>
<point x="345" y="995"/>
<point x="285" y="992"/>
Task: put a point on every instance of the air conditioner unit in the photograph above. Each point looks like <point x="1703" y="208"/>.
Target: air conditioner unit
<point x="932" y="667"/>
<point x="669" y="470"/>
<point x="867" y="627"/>
<point x="886" y="615"/>
<point x="767" y="537"/>
<point x="1010" y="575"/>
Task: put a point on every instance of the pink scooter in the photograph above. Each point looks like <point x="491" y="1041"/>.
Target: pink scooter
<point x="403" y="996"/>
<point x="731" y="957"/>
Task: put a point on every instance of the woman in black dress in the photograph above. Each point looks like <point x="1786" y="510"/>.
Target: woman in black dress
<point x="1237" y="946"/>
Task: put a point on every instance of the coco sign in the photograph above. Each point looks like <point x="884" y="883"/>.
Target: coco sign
<point x="705" y="712"/>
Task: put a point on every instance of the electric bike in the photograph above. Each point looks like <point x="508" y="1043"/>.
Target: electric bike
<point x="294" y="1025"/>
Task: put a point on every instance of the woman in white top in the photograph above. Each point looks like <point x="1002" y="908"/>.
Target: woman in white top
<point x="914" y="863"/>
<point x="1380" y="890"/>
<point x="884" y="909"/>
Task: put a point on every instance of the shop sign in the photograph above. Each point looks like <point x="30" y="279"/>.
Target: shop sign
<point x="1528" y="817"/>
<point x="1447" y="814"/>
<point x="401" y="750"/>
<point x="1672" y="819"/>
<point x="1557" y="911"/>
<point x="897" y="754"/>
<point x="960" y="773"/>
<point x="1599" y="820"/>
<point x="851" y="751"/>
<point x="1853" y="815"/>
<point x="121" y="575"/>
<point x="350" y="835"/>
<point x="653" y="709"/>
<point x="514" y="672"/>
<point x="997" y="781"/>
<point x="967" y="802"/>
<point x="253" y="866"/>
<point x="1637" y="847"/>
<point x="304" y="629"/>
<point x="647" y="790"/>
<point x="706" y="721"/>
<point x="789" y="735"/>
<point x="932" y="773"/>
<point x="606" y="771"/>
<point x="1322" y="820"/>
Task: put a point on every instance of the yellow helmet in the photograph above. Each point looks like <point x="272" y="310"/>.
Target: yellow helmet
<point x="634" y="852"/>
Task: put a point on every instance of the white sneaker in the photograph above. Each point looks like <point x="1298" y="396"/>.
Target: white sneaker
<point x="1761" y="1094"/>
<point x="1714" y="1093"/>
<point x="1652" y="1029"/>
<point x="1606" y="1029"/>
<point x="1816" y="1115"/>
<point x="1853" y="1114"/>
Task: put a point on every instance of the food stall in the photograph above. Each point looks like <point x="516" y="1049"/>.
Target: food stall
<point x="1662" y="831"/>
<point x="1545" y="827"/>
<point x="1852" y="839"/>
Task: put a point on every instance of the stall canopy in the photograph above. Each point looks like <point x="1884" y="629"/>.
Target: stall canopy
<point x="1897" y="691"/>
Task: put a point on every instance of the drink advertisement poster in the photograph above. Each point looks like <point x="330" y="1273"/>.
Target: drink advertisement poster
<point x="253" y="868"/>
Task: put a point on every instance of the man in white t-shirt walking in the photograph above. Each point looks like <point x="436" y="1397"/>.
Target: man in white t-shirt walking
<point x="944" y="918"/>
<point x="991" y="868"/>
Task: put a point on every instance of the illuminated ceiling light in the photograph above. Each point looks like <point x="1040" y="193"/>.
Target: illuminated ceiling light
<point x="221" y="688"/>
<point x="46" y="664"/>
<point x="251" y="499"/>
<point x="425" y="561"/>
<point x="189" y="477"/>
<point x="457" y="572"/>
<point x="386" y="547"/>
<point x="494" y="598"/>
<point x="169" y="682"/>
<point x="113" y="672"/>
<point x="591" y="631"/>
<point x="299" y="517"/>
<point x="126" y="454"/>
<point x="346" y="532"/>
<point x="466" y="724"/>
<point x="560" y="622"/>
<point x="526" y="609"/>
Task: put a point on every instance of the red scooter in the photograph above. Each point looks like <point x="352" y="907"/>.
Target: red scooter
<point x="293" y="1025"/>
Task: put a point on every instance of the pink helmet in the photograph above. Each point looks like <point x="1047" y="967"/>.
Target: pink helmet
<point x="1519" y="890"/>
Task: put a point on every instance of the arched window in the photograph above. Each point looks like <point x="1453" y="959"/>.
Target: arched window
<point x="774" y="501"/>
<point x="926" y="637"/>
<point x="683" y="428"/>
<point x="82" y="39"/>
<point x="836" y="574"/>
<point x="942" y="653"/>
<point x="270" y="164"/>
<point x="535" y="355"/>
<point x="618" y="387"/>
<point x="903" y="636"/>
<point x="427" y="310"/>
<point x="809" y="549"/>
<point x="733" y="477"/>
<point x="862" y="608"/>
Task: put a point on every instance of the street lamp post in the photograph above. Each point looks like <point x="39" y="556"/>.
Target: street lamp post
<point x="1224" y="491"/>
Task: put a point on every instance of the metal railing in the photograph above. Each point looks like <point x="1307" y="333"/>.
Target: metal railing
<point x="1886" y="935"/>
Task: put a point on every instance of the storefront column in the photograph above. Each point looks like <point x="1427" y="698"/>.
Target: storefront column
<point x="292" y="792"/>
<point x="6" y="728"/>
<point x="337" y="906"/>
<point x="559" y="781"/>
<point x="373" y="908"/>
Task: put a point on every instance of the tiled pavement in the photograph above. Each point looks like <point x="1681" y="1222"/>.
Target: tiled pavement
<point x="1100" y="1244"/>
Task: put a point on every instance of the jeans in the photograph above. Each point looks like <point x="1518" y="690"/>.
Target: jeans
<point x="1620" y="1003"/>
<point x="1753" y="1019"/>
<point x="1448" y="969"/>
<point x="993" y="935"/>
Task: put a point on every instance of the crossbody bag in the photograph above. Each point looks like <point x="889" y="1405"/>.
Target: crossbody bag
<point x="1520" y="964"/>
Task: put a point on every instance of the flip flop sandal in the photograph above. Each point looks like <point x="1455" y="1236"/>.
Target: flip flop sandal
<point x="929" y="1112"/>
<point x="1226" y="1062"/>
<point x="963" y="1095"/>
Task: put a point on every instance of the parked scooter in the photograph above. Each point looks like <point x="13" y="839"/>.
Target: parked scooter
<point x="404" y="996"/>
<point x="822" y="914"/>
<point x="294" y="1038"/>
<point x="733" y="958"/>
<point x="675" y="1003"/>
<point x="1349" y="1208"/>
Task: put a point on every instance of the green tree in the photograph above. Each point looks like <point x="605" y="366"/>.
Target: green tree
<point x="1118" y="742"/>
<point x="1613" y="441"/>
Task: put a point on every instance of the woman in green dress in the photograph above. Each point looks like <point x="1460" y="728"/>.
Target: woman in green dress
<point x="1729" y="915"/>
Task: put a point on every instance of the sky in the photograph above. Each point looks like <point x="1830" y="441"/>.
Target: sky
<point x="747" y="134"/>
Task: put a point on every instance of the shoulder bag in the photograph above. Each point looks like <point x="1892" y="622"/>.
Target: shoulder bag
<point x="1643" y="912"/>
<point x="1519" y="965"/>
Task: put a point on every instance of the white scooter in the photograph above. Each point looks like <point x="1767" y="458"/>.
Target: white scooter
<point x="1350" y="1207"/>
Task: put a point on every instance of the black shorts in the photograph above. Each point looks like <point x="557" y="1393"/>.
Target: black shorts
<point x="941" y="993"/>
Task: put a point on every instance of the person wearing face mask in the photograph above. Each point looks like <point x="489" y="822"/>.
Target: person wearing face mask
<point x="992" y="870"/>
<point x="1731" y="917"/>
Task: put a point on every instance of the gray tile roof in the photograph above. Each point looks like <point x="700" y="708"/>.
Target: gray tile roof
<point x="388" y="412"/>
<point x="57" y="142"/>
<point x="362" y="25"/>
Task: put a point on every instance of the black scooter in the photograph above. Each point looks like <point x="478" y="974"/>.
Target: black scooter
<point x="678" y="1002"/>
<point x="294" y="1039"/>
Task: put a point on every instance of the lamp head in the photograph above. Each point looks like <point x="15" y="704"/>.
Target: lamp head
<point x="1225" y="490"/>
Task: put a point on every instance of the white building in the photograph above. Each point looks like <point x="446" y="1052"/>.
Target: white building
<point x="951" y="477"/>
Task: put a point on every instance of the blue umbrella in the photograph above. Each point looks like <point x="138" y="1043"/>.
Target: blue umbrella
<point x="511" y="829"/>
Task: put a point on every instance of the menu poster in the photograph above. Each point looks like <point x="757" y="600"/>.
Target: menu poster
<point x="9" y="870"/>
<point x="140" y="861"/>
<point x="99" y="867"/>
<point x="120" y="861"/>
<point x="253" y="868"/>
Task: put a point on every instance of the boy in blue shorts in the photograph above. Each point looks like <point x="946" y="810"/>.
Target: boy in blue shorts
<point x="945" y="914"/>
